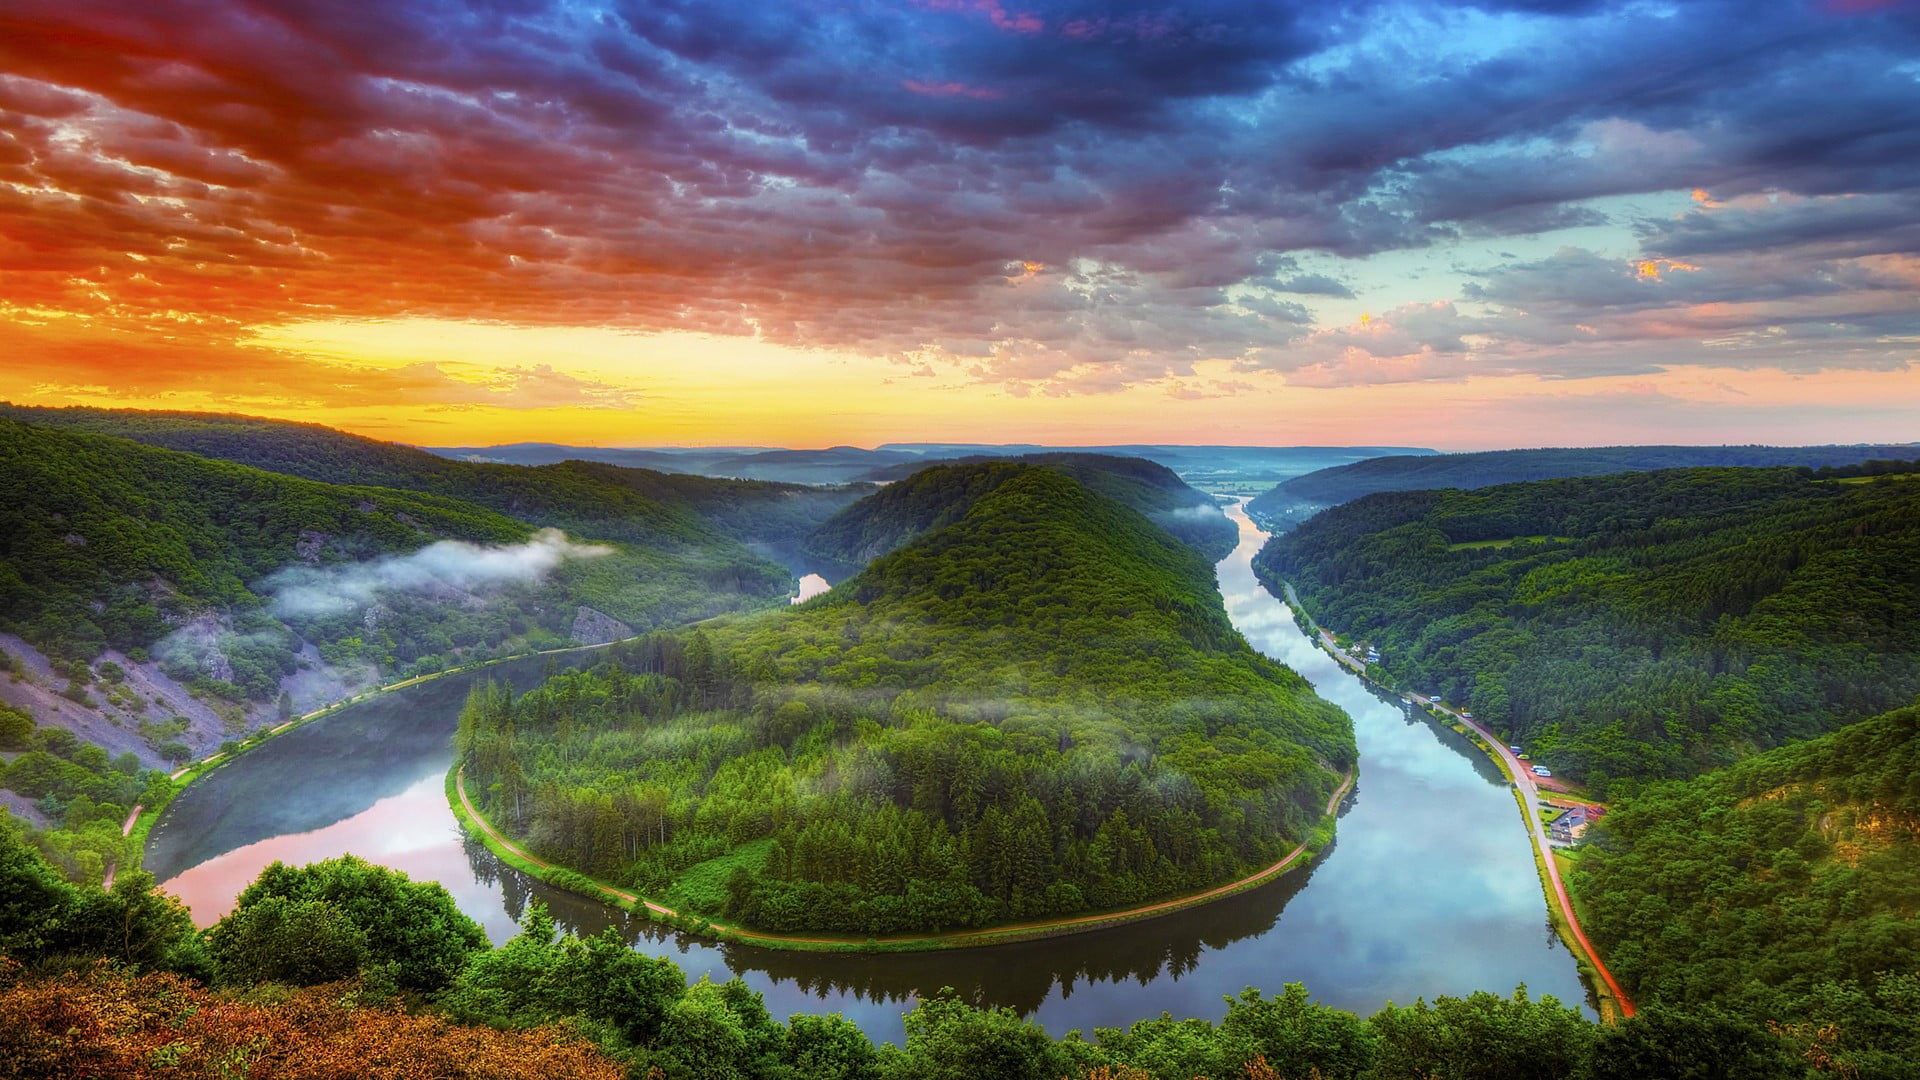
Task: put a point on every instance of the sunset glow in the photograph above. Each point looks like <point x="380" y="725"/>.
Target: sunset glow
<point x="792" y="225"/>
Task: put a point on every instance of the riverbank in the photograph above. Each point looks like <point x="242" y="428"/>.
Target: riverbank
<point x="142" y="818"/>
<point x="1562" y="913"/>
<point x="573" y="881"/>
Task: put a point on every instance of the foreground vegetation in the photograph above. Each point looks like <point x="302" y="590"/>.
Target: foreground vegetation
<point x="1037" y="709"/>
<point x="1647" y="625"/>
<point x="1784" y="890"/>
<point x="119" y="984"/>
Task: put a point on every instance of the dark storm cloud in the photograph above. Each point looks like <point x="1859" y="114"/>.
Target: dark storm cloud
<point x="1070" y="195"/>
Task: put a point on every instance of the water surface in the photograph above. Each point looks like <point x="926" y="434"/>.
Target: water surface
<point x="1430" y="888"/>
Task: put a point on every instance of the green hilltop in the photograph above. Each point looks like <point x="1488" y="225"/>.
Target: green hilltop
<point x="1036" y="708"/>
<point x="921" y="497"/>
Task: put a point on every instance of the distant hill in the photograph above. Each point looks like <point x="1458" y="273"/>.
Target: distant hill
<point x="1237" y="470"/>
<point x="1038" y="706"/>
<point x="1302" y="495"/>
<point x="607" y="501"/>
<point x="1646" y="624"/>
<point x="923" y="497"/>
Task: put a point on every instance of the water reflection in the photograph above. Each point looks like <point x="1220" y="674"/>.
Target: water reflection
<point x="1430" y="889"/>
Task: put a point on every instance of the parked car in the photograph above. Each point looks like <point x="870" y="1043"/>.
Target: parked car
<point x="1542" y="770"/>
<point x="1516" y="750"/>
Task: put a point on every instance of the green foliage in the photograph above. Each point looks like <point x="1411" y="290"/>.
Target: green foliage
<point x="413" y="926"/>
<point x="1481" y="1037"/>
<point x="86" y="795"/>
<point x="106" y="542"/>
<point x="644" y="1015"/>
<point x="1039" y="708"/>
<point x="1785" y="888"/>
<point x="298" y="942"/>
<point x="47" y="922"/>
<point x="1673" y="1045"/>
<point x="1687" y="618"/>
<point x="16" y="728"/>
<point x="948" y="1039"/>
<point x="534" y="980"/>
<point x="924" y="497"/>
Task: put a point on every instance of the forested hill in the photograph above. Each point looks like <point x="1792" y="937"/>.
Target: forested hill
<point x="613" y="502"/>
<point x="1342" y="483"/>
<point x="111" y="543"/>
<point x="1036" y="709"/>
<point x="1784" y="889"/>
<point x="924" y="497"/>
<point x="1641" y="625"/>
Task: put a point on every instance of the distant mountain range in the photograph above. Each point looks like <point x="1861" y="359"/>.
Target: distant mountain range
<point x="1294" y="499"/>
<point x="1214" y="467"/>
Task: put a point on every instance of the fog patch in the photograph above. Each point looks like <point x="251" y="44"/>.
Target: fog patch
<point x="444" y="567"/>
<point x="1192" y="513"/>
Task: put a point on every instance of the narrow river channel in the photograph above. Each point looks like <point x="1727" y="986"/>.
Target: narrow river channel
<point x="1430" y="888"/>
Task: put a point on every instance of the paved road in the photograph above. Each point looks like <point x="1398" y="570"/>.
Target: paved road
<point x="1530" y="792"/>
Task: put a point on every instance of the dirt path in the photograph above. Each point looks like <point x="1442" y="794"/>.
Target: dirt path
<point x="953" y="937"/>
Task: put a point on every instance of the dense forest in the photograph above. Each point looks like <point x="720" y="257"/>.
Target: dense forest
<point x="1297" y="498"/>
<point x="344" y="970"/>
<point x="641" y="506"/>
<point x="109" y="543"/>
<point x="1784" y="890"/>
<point x="1644" y="625"/>
<point x="1038" y="708"/>
<point x="920" y="498"/>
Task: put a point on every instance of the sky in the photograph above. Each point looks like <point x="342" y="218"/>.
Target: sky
<point x="1461" y="225"/>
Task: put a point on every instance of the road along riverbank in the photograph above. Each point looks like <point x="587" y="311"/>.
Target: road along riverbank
<point x="1614" y="1002"/>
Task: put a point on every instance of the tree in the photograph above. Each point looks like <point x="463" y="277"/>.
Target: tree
<point x="299" y="942"/>
<point x="1303" y="1034"/>
<point x="1677" y="1045"/>
<point x="948" y="1039"/>
<point x="413" y="926"/>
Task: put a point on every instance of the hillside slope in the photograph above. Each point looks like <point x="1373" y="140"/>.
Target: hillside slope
<point x="1301" y="495"/>
<point x="1037" y="708"/>
<point x="613" y="502"/>
<point x="921" y="497"/>
<point x="1641" y="625"/>
<point x="1785" y="888"/>
<point x="230" y="576"/>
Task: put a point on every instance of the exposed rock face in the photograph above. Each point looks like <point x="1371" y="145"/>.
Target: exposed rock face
<point x="307" y="548"/>
<point x="591" y="627"/>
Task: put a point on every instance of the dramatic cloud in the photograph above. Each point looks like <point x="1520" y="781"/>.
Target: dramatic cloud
<point x="1055" y="197"/>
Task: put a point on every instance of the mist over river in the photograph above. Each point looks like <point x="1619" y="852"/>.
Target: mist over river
<point x="1430" y="888"/>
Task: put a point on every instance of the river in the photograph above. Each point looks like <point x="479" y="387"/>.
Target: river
<point x="1429" y="889"/>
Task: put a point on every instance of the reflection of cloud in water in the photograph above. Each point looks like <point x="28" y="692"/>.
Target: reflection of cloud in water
<point x="411" y="830"/>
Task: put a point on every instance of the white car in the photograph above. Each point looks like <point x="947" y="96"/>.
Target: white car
<point x="1542" y="770"/>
